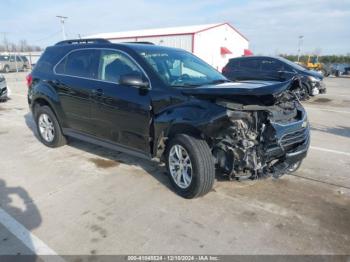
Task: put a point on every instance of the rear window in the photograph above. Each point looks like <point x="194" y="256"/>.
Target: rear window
<point x="80" y="63"/>
<point x="249" y="64"/>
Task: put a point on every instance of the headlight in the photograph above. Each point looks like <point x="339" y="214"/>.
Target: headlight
<point x="314" y="79"/>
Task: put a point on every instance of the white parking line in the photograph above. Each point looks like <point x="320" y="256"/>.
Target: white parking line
<point x="326" y="109"/>
<point x="32" y="242"/>
<point x="12" y="94"/>
<point x="330" y="150"/>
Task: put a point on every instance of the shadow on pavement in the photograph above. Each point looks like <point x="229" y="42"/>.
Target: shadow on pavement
<point x="151" y="167"/>
<point x="24" y="211"/>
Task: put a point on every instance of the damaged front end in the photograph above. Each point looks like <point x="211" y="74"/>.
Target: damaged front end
<point x="253" y="141"/>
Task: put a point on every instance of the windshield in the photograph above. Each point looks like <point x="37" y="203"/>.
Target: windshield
<point x="4" y="58"/>
<point x="181" y="69"/>
<point x="292" y="64"/>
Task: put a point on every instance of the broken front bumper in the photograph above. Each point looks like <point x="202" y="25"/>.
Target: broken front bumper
<point x="292" y="141"/>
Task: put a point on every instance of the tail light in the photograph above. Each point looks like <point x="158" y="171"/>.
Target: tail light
<point x="225" y="70"/>
<point x="29" y="79"/>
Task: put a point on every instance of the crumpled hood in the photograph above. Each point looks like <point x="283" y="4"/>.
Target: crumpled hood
<point x="248" y="92"/>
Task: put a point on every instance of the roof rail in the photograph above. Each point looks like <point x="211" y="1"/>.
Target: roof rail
<point x="83" y="41"/>
<point x="139" y="42"/>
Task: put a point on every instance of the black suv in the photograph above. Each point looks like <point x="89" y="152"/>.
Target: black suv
<point x="167" y="104"/>
<point x="274" y="69"/>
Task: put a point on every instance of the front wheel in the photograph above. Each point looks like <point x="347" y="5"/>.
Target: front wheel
<point x="190" y="166"/>
<point x="304" y="93"/>
<point x="293" y="167"/>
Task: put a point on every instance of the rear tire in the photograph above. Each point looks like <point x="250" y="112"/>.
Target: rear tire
<point x="200" y="175"/>
<point x="48" y="128"/>
<point x="7" y="69"/>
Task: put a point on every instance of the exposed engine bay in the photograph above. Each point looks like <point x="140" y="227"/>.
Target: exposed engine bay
<point x="259" y="140"/>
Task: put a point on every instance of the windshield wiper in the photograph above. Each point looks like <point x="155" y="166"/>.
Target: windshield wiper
<point x="186" y="85"/>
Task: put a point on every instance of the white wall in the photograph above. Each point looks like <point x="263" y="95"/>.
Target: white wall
<point x="177" y="41"/>
<point x="207" y="45"/>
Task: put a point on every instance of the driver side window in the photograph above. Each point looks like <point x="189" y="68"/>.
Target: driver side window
<point x="178" y="68"/>
<point x="114" y="64"/>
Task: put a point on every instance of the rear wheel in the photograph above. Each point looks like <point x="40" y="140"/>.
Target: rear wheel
<point x="190" y="166"/>
<point x="48" y="128"/>
<point x="7" y="69"/>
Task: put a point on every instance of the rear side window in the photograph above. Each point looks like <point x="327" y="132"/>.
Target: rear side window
<point x="80" y="63"/>
<point x="271" y="65"/>
<point x="249" y="64"/>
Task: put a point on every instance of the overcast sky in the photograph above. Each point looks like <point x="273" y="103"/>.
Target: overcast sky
<point x="272" y="26"/>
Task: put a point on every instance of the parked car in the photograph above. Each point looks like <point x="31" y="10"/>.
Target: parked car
<point x="339" y="69"/>
<point x="12" y="62"/>
<point x="4" y="94"/>
<point x="274" y="69"/>
<point x="167" y="104"/>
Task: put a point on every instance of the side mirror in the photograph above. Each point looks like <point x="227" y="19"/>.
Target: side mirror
<point x="133" y="80"/>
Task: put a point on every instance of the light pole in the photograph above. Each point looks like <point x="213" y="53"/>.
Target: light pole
<point x="299" y="45"/>
<point x="62" y="19"/>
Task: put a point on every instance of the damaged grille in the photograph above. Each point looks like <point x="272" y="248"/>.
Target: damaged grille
<point x="289" y="141"/>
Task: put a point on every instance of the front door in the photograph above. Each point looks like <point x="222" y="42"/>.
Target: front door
<point x="121" y="113"/>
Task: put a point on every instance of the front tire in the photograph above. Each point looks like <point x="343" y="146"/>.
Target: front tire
<point x="48" y="128"/>
<point x="190" y="166"/>
<point x="294" y="167"/>
<point x="304" y="94"/>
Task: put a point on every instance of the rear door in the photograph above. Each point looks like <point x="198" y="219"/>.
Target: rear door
<point x="121" y="113"/>
<point x="75" y="79"/>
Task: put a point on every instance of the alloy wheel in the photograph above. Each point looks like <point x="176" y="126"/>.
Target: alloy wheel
<point x="46" y="128"/>
<point x="180" y="166"/>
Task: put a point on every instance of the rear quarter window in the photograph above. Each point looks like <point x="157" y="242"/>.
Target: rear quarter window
<point x="48" y="60"/>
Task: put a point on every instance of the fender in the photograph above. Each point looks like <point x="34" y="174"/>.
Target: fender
<point x="44" y="91"/>
<point x="187" y="117"/>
